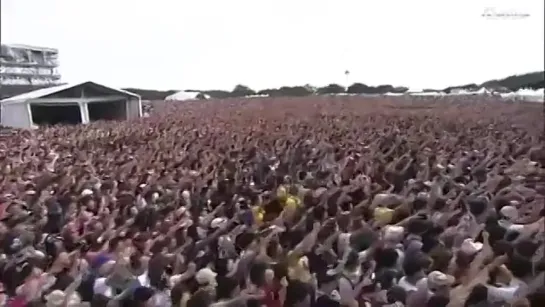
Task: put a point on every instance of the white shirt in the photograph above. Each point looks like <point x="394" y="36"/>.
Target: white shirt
<point x="161" y="299"/>
<point x="100" y="287"/>
<point x="144" y="279"/>
<point x="504" y="293"/>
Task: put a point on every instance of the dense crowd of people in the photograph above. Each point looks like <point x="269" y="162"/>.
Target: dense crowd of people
<point x="288" y="202"/>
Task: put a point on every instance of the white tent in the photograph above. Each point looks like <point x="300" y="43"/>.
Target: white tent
<point x="69" y="103"/>
<point x="530" y="95"/>
<point x="483" y="91"/>
<point x="183" y="96"/>
<point x="525" y="95"/>
<point x="427" y="94"/>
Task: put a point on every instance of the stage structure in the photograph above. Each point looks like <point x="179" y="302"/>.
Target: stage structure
<point x="78" y="103"/>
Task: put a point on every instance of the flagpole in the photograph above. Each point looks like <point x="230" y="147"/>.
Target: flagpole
<point x="347" y="76"/>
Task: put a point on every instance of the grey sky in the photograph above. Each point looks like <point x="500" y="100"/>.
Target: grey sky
<point x="205" y="44"/>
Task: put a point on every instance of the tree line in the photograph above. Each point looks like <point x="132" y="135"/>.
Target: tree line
<point x="284" y="91"/>
<point x="533" y="80"/>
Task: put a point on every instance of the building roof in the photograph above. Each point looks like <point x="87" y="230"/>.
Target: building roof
<point x="59" y="88"/>
<point x="29" y="47"/>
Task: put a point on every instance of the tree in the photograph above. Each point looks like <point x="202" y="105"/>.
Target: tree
<point x="287" y="91"/>
<point x="358" y="88"/>
<point x="271" y="92"/>
<point x="297" y="91"/>
<point x="242" y="91"/>
<point x="532" y="80"/>
<point x="218" y="94"/>
<point x="330" y="89"/>
<point x="467" y="87"/>
<point x="385" y="88"/>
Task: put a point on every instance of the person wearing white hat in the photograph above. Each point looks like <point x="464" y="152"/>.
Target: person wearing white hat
<point x="470" y="247"/>
<point x="218" y="222"/>
<point x="59" y="298"/>
<point x="509" y="215"/>
<point x="86" y="192"/>
<point x="439" y="282"/>
<point x="206" y="279"/>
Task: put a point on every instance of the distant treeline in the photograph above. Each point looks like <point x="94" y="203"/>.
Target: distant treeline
<point x="532" y="80"/>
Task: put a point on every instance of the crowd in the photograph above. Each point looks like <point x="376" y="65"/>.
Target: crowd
<point x="307" y="202"/>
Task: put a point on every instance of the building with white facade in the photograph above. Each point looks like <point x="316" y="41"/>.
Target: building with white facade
<point x="27" y="67"/>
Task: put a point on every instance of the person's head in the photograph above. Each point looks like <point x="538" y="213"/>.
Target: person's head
<point x="470" y="248"/>
<point x="438" y="300"/>
<point x="206" y="280"/>
<point x="245" y="241"/>
<point x="384" y="280"/>
<point x="57" y="298"/>
<point x="439" y="283"/>
<point x="142" y="296"/>
<point x="386" y="257"/>
<point x="526" y="248"/>
<point x="519" y="265"/>
<point x="537" y="298"/>
<point x="227" y="288"/>
<point x="463" y="260"/>
<point x="478" y="205"/>
<point x="327" y="283"/>
<point x="419" y="226"/>
<point x="419" y="203"/>
<point x="478" y="294"/>
<point x="396" y="294"/>
<point x="415" y="264"/>
<point x="258" y="274"/>
<point x="393" y="234"/>
<point x="297" y="294"/>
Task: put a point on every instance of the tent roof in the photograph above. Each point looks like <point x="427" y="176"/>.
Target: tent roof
<point x="59" y="88"/>
<point x="183" y="95"/>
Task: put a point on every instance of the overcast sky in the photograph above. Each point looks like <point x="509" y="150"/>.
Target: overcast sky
<point x="216" y="44"/>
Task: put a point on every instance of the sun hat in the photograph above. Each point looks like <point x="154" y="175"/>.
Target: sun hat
<point x="509" y="212"/>
<point x="206" y="277"/>
<point x="86" y="192"/>
<point x="217" y="222"/>
<point x="58" y="297"/>
<point x="439" y="279"/>
<point x="471" y="247"/>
